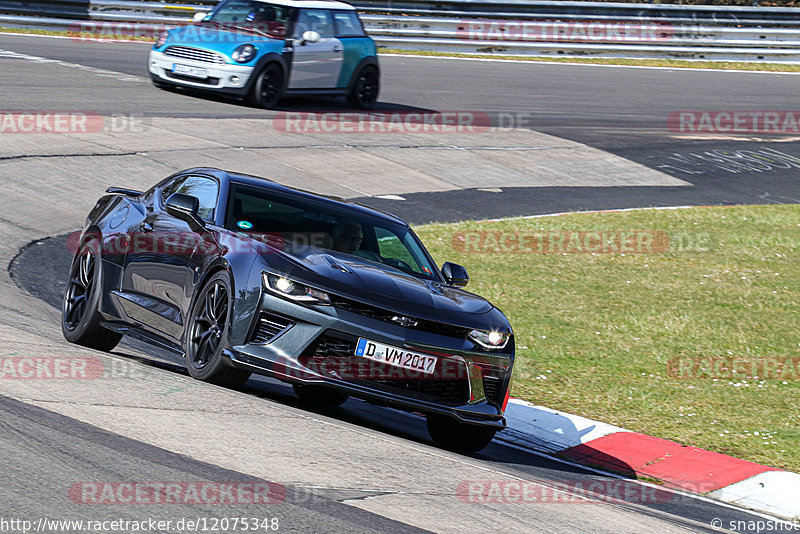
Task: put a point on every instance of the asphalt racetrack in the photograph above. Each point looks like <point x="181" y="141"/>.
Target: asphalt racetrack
<point x="558" y="138"/>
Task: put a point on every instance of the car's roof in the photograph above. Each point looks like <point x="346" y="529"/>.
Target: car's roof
<point x="312" y="4"/>
<point x="266" y="183"/>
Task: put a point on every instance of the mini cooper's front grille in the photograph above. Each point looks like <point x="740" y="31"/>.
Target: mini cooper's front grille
<point x="394" y="318"/>
<point x="268" y="327"/>
<point x="195" y="54"/>
<point x="333" y="355"/>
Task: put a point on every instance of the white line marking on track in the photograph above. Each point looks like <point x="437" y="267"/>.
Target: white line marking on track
<point x="92" y="70"/>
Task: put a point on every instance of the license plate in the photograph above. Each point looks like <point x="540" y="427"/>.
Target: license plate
<point x="395" y="357"/>
<point x="185" y="70"/>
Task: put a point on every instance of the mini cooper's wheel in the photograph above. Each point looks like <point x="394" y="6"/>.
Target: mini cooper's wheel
<point x="365" y="89"/>
<point x="449" y="434"/>
<point x="268" y="87"/>
<point x="207" y="333"/>
<point x="80" y="318"/>
<point x="319" y="395"/>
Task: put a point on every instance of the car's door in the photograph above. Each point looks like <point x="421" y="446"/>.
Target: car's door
<point x="315" y="65"/>
<point x="164" y="259"/>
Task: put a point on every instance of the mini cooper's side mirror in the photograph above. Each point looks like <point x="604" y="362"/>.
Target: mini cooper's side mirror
<point x="455" y="274"/>
<point x="310" y="37"/>
<point x="197" y="17"/>
<point x="185" y="207"/>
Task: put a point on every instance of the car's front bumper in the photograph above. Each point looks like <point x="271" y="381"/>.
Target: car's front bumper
<point x="318" y="346"/>
<point x="226" y="78"/>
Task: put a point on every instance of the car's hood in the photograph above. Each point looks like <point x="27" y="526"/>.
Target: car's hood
<point x="214" y="38"/>
<point x="352" y="277"/>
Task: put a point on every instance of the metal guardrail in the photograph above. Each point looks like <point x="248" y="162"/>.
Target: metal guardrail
<point x="521" y="27"/>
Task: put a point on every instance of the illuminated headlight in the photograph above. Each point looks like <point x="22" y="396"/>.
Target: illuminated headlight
<point x="162" y="39"/>
<point x="489" y="340"/>
<point x="293" y="290"/>
<point x="244" y="53"/>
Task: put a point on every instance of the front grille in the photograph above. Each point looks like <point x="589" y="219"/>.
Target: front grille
<point x="204" y="81"/>
<point x="268" y="327"/>
<point x="386" y="315"/>
<point x="195" y="54"/>
<point x="333" y="355"/>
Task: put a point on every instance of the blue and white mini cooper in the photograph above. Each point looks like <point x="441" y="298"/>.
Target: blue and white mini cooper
<point x="266" y="50"/>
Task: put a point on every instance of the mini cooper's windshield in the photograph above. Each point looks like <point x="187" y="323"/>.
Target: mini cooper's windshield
<point x="301" y="226"/>
<point x="254" y="17"/>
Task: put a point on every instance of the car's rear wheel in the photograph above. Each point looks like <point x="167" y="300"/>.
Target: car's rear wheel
<point x="80" y="318"/>
<point x="268" y="87"/>
<point x="207" y="333"/>
<point x="452" y="435"/>
<point x="319" y="395"/>
<point x="365" y="90"/>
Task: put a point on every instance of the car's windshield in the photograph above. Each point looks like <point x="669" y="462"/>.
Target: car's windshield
<point x="252" y="16"/>
<point x="299" y="223"/>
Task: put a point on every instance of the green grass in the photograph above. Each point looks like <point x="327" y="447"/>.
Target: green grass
<point x="674" y="63"/>
<point x="595" y="332"/>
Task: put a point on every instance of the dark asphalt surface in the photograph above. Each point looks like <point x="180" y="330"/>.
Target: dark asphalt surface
<point x="620" y="110"/>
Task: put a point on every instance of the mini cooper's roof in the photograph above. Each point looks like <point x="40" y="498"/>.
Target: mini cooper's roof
<point x="311" y="4"/>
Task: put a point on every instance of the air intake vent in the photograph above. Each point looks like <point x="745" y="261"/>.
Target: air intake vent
<point x="269" y="327"/>
<point x="195" y="54"/>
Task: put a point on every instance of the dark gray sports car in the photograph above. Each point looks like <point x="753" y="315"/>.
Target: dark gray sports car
<point x="242" y="275"/>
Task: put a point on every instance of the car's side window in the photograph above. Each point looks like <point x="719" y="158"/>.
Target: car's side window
<point x="170" y="188"/>
<point x="318" y="20"/>
<point x="391" y="248"/>
<point x="347" y="24"/>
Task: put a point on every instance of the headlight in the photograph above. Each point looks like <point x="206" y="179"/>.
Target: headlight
<point x="294" y="290"/>
<point x="162" y="39"/>
<point x="244" y="53"/>
<point x="489" y="340"/>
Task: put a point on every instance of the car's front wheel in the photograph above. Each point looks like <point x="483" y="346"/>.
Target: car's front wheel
<point x="268" y="87"/>
<point x="452" y="435"/>
<point x="364" y="93"/>
<point x="207" y="333"/>
<point x="80" y="318"/>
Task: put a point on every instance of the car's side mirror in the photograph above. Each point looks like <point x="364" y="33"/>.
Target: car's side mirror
<point x="310" y="37"/>
<point x="185" y="208"/>
<point x="454" y="274"/>
<point x="198" y="17"/>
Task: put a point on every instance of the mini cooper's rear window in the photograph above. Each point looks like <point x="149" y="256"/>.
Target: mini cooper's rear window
<point x="347" y="24"/>
<point x="306" y="225"/>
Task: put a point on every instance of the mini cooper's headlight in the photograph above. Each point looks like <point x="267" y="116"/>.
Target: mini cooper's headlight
<point x="489" y="340"/>
<point x="244" y="53"/>
<point x="294" y="290"/>
<point x="162" y="39"/>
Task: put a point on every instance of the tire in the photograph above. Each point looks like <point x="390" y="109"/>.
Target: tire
<point x="207" y="333"/>
<point x="80" y="318"/>
<point x="365" y="90"/>
<point x="319" y="395"/>
<point x="268" y="89"/>
<point x="452" y="435"/>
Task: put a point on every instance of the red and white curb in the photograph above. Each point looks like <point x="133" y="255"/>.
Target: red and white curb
<point x="611" y="448"/>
